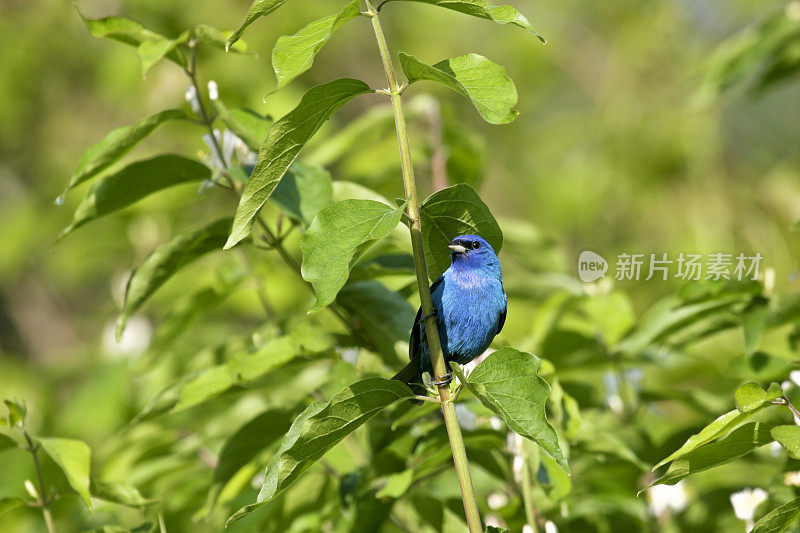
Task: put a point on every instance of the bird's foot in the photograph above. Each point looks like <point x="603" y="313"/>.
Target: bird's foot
<point x="445" y="381"/>
<point x="432" y="313"/>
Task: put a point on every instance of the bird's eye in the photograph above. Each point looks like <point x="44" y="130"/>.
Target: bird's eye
<point x="476" y="245"/>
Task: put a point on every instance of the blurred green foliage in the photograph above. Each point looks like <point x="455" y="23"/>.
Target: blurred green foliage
<point x="644" y="127"/>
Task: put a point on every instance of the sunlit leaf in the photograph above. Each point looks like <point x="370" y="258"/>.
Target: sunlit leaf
<point x="303" y="192"/>
<point x="508" y="383"/>
<point x="284" y="141"/>
<point x="16" y="411"/>
<point x="778" y="519"/>
<point x="740" y="442"/>
<point x="750" y="396"/>
<point x="337" y="237"/>
<point x="319" y="428"/>
<point x="134" y="182"/>
<point x="165" y="261"/>
<point x="129" y="32"/>
<point x="218" y="39"/>
<point x="503" y="14"/>
<point x="451" y="212"/>
<point x="258" y="8"/>
<point x="396" y="485"/>
<point x="294" y="54"/>
<point x="118" y="143"/>
<point x="74" y="459"/>
<point x="789" y="437"/>
<point x="485" y="83"/>
<point x="151" y="51"/>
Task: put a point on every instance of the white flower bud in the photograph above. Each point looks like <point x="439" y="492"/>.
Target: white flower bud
<point x="213" y="90"/>
<point x="550" y="527"/>
<point x="31" y="489"/>
<point x="745" y="502"/>
<point x="193" y="98"/>
<point x="496" y="500"/>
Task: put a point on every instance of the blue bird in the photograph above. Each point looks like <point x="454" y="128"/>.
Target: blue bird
<point x="470" y="306"/>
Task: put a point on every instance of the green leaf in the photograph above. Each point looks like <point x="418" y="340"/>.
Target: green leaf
<point x="134" y="182"/>
<point x="9" y="503"/>
<point x="382" y="316"/>
<point x="716" y="428"/>
<point x="396" y="485"/>
<point x="119" y="493"/>
<point x="303" y="192"/>
<point x="218" y="39"/>
<point x="778" y="519"/>
<point x="789" y="437"/>
<point x="128" y="32"/>
<point x="318" y="429"/>
<point x="118" y="143"/>
<point x="258" y="8"/>
<point x="153" y="50"/>
<point x="754" y="320"/>
<point x="165" y="261"/>
<point x="496" y="529"/>
<point x="74" y="459"/>
<point x="284" y="141"/>
<point x="256" y="435"/>
<point x="507" y="382"/>
<point x="504" y="14"/>
<point x="16" y="411"/>
<point x="740" y="442"/>
<point x="485" y="83"/>
<point x="451" y="212"/>
<point x="749" y="397"/>
<point x="337" y="237"/>
<point x="248" y="125"/>
<point x="7" y="442"/>
<point x="294" y="54"/>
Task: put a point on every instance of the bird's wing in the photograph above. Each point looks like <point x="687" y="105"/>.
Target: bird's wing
<point x="415" y="344"/>
<point x="502" y="318"/>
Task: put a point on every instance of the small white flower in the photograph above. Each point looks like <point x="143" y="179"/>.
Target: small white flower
<point x="135" y="339"/>
<point x="517" y="466"/>
<point x="495" y="521"/>
<point x="527" y="529"/>
<point x="31" y="489"/>
<point x="514" y="443"/>
<point x="615" y="403"/>
<point x="745" y="502"/>
<point x="550" y="527"/>
<point x="496" y="500"/>
<point x="664" y="499"/>
<point x="212" y="149"/>
<point x="792" y="479"/>
<point x="213" y="90"/>
<point x="350" y="355"/>
<point x="794" y="376"/>
<point x="496" y="423"/>
<point x="193" y="98"/>
<point x="785" y="385"/>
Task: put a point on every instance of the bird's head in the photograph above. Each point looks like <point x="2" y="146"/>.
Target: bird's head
<point x="472" y="251"/>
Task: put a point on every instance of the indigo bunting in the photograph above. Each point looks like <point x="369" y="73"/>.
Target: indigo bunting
<point x="470" y="306"/>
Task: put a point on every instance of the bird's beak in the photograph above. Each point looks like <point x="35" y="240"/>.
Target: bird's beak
<point x="457" y="248"/>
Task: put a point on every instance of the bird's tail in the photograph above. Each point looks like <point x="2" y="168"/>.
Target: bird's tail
<point x="411" y="376"/>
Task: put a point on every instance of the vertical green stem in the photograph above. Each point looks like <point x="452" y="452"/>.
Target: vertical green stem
<point x="44" y="503"/>
<point x="527" y="490"/>
<point x="431" y="329"/>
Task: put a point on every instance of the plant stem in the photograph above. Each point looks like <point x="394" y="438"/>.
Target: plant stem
<point x="44" y="503"/>
<point x="527" y="490"/>
<point x="426" y="302"/>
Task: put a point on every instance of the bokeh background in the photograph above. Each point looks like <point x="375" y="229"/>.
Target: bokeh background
<point x="625" y="143"/>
